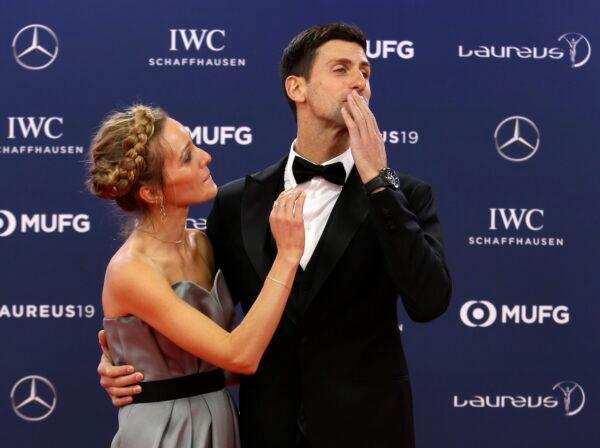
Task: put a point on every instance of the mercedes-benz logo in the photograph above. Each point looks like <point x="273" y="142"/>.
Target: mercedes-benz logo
<point x="517" y="138"/>
<point x="572" y="40"/>
<point x="35" y="47"/>
<point x="573" y="396"/>
<point x="33" y="398"/>
<point x="478" y="313"/>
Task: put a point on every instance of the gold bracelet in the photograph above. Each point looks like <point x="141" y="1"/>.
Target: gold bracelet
<point x="281" y="283"/>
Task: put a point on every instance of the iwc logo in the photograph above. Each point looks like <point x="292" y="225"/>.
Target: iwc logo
<point x="33" y="398"/>
<point x="35" y="47"/>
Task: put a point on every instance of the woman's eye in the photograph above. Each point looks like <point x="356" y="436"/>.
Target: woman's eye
<point x="340" y="69"/>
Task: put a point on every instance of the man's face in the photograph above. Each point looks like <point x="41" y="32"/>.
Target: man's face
<point x="338" y="68"/>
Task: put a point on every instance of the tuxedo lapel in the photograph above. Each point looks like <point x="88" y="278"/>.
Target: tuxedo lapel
<point x="349" y="212"/>
<point x="260" y="191"/>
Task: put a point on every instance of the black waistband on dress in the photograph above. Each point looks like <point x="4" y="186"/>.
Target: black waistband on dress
<point x="180" y="387"/>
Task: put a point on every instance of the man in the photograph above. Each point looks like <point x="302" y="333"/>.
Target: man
<point x="334" y="374"/>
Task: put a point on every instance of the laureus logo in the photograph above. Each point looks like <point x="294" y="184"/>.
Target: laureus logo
<point x="580" y="49"/>
<point x="577" y="51"/>
<point x="573" y="397"/>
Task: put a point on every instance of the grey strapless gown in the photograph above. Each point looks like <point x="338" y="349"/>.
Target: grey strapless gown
<point x="202" y="421"/>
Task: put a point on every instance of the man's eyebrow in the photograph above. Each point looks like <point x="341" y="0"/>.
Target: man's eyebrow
<point x="362" y="63"/>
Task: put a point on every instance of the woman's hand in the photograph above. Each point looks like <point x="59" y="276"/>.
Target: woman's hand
<point x="287" y="224"/>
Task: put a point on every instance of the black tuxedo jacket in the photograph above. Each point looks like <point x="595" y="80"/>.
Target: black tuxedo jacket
<point x="334" y="374"/>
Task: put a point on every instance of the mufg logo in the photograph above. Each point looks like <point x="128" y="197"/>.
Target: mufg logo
<point x="383" y="49"/>
<point x="42" y="223"/>
<point x="220" y="135"/>
<point x="483" y="313"/>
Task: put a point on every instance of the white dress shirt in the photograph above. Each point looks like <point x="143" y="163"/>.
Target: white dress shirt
<point x="320" y="199"/>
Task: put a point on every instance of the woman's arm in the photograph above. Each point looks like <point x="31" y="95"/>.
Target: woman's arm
<point x="141" y="290"/>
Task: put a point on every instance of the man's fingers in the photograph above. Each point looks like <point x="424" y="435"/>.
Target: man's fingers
<point x="357" y="115"/>
<point x="350" y="124"/>
<point x="119" y="392"/>
<point x="127" y="380"/>
<point x="104" y="345"/>
<point x="121" y="381"/>
<point x="102" y="339"/>
<point x="118" y="402"/>
<point x="107" y="369"/>
<point x="370" y="120"/>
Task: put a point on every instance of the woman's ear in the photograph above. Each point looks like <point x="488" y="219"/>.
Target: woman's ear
<point x="150" y="194"/>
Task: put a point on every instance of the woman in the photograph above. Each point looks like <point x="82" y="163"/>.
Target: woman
<point x="166" y="311"/>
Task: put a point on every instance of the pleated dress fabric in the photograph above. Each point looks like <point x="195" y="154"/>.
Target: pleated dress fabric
<point x="202" y="421"/>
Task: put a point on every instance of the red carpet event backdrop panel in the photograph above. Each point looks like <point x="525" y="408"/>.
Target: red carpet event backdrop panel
<point x="495" y="104"/>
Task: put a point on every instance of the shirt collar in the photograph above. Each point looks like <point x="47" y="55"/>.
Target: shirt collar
<point x="345" y="157"/>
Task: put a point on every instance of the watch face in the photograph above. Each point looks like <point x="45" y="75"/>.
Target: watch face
<point x="390" y="177"/>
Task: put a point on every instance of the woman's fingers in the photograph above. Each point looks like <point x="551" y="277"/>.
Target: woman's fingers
<point x="298" y="212"/>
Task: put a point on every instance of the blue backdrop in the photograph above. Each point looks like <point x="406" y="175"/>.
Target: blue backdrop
<point x="496" y="104"/>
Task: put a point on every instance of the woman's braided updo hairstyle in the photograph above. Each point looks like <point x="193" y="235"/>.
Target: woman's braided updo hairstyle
<point x="125" y="155"/>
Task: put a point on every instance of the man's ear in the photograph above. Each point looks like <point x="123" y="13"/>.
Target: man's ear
<point x="295" y="88"/>
<point x="150" y="194"/>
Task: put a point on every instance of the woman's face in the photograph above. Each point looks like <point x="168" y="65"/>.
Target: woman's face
<point x="187" y="179"/>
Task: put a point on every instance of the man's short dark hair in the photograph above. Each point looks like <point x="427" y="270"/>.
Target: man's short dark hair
<point x="299" y="56"/>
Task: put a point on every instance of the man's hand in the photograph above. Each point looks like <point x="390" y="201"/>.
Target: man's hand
<point x="366" y="142"/>
<point x="118" y="381"/>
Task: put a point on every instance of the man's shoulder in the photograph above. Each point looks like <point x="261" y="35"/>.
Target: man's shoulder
<point x="235" y="188"/>
<point x="232" y="188"/>
<point x="411" y="184"/>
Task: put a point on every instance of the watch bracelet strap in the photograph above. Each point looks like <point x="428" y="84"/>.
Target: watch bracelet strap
<point x="375" y="183"/>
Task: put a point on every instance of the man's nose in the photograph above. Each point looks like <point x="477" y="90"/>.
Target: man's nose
<point x="359" y="82"/>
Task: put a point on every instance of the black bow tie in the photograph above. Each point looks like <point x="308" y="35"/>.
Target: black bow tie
<point x="304" y="171"/>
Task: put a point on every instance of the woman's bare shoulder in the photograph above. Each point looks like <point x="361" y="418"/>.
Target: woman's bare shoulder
<point x="125" y="271"/>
